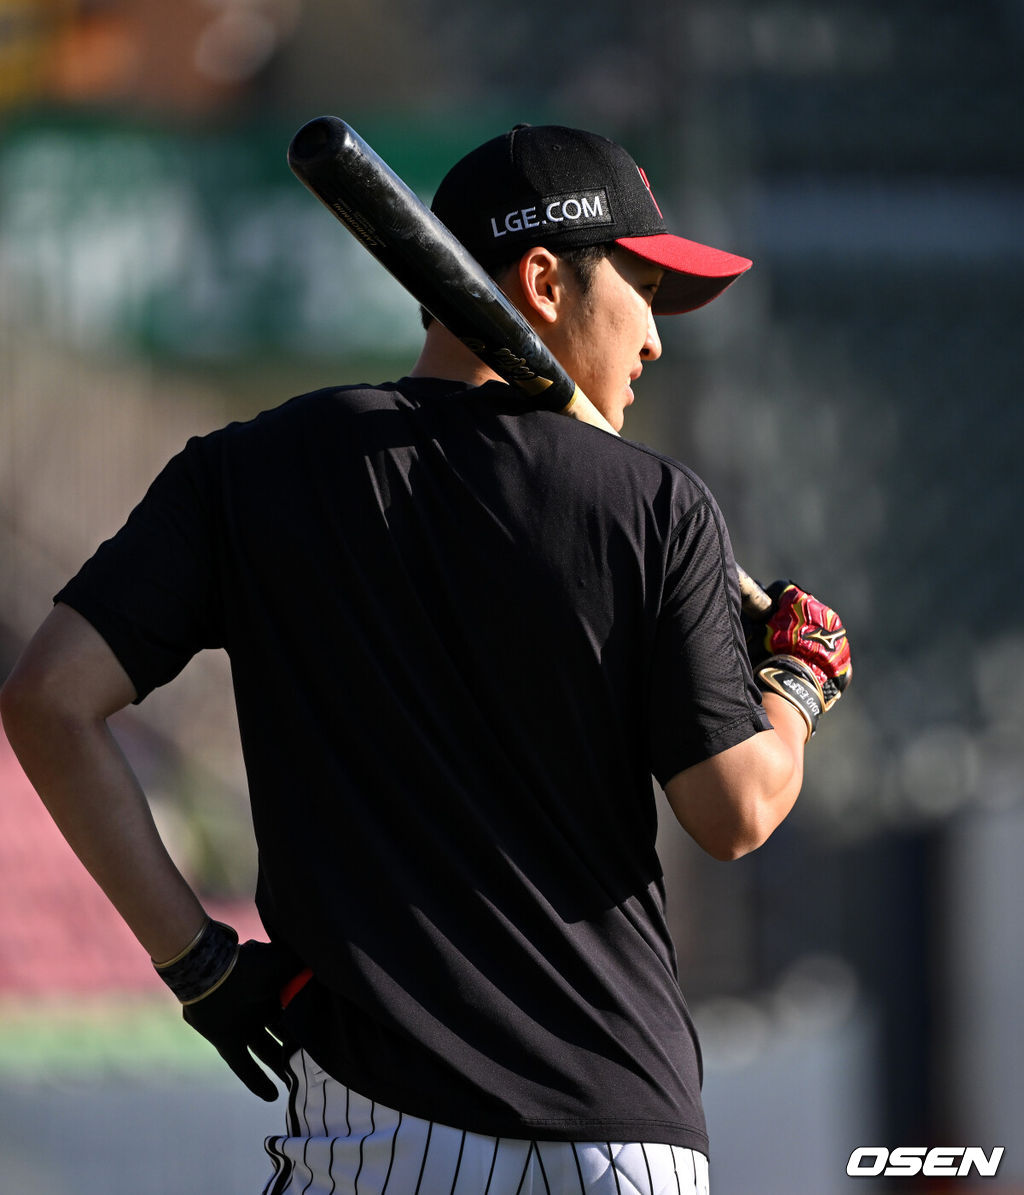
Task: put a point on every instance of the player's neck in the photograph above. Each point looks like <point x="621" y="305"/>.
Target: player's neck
<point x="444" y="356"/>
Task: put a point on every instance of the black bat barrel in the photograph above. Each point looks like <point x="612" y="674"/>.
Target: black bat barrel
<point x="405" y="236"/>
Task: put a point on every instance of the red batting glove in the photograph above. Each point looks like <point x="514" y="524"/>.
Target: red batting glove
<point x="801" y="652"/>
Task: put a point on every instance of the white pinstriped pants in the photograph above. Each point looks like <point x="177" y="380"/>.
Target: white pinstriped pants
<point x="341" y="1143"/>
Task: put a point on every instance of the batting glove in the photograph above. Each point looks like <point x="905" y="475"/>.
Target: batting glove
<point x="800" y="651"/>
<point x="231" y="995"/>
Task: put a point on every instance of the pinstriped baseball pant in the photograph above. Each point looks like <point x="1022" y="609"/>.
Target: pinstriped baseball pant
<point x="341" y="1143"/>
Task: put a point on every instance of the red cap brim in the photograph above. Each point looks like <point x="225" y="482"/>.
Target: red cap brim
<point x="694" y="273"/>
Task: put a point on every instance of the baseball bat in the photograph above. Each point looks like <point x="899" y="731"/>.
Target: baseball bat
<point x="403" y="234"/>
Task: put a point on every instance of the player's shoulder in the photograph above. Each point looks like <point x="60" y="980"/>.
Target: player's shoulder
<point x="356" y="398"/>
<point x="664" y="465"/>
<point x="642" y="466"/>
<point x="298" y="411"/>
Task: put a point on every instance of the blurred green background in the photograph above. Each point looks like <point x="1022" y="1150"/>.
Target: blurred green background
<point x="852" y="401"/>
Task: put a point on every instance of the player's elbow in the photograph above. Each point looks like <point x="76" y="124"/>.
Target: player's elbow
<point x="67" y="676"/>
<point x="732" y="803"/>
<point x="726" y="826"/>
<point x="14" y="703"/>
<point x="23" y="706"/>
<point x="737" y="836"/>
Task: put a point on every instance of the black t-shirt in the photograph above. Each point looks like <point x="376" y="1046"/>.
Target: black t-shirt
<point x="462" y="640"/>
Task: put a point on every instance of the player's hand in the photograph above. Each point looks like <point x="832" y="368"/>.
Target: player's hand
<point x="241" y="1017"/>
<point x="231" y="994"/>
<point x="800" y="651"/>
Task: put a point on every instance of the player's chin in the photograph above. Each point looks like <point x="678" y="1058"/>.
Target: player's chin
<point x="612" y="405"/>
<point x="619" y="417"/>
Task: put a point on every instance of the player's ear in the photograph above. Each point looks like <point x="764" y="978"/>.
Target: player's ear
<point x="541" y="279"/>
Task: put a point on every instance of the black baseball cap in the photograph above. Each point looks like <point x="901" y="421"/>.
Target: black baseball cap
<point x="564" y="188"/>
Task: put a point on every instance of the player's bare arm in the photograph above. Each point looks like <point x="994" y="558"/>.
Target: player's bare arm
<point x="55" y="707"/>
<point x="731" y="803"/>
<point x="800" y="653"/>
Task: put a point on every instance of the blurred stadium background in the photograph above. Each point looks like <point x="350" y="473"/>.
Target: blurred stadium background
<point x="853" y="402"/>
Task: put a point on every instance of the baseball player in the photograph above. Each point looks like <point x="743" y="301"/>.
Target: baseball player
<point x="462" y="639"/>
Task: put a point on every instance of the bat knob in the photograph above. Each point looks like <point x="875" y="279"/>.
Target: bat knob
<point x="313" y="139"/>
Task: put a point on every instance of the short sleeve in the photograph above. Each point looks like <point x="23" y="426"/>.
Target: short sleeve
<point x="703" y="697"/>
<point x="151" y="590"/>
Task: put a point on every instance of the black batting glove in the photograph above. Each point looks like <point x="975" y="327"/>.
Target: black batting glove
<point x="231" y="995"/>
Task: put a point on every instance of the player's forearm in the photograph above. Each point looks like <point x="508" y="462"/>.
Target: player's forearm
<point x="93" y="796"/>
<point x="790" y="734"/>
<point x="55" y="706"/>
<point x="757" y="805"/>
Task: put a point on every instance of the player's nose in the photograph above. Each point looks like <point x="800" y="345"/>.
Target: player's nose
<point x="652" y="344"/>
